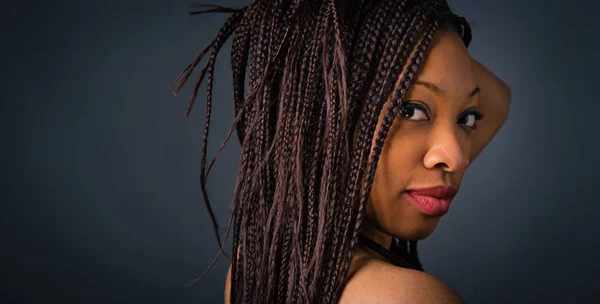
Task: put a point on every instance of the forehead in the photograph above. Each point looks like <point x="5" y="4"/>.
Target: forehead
<point x="448" y="64"/>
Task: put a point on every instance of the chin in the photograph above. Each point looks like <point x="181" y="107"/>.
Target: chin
<point x="420" y="234"/>
<point x="416" y="231"/>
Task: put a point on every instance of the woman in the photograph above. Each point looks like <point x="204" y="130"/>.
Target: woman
<point x="359" y="122"/>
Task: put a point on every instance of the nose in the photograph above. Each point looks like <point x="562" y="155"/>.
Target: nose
<point x="447" y="149"/>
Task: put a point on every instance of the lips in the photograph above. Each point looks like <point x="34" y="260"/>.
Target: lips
<point x="438" y="192"/>
<point x="433" y="201"/>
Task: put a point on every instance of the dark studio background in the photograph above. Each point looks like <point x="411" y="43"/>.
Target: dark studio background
<point x="100" y="170"/>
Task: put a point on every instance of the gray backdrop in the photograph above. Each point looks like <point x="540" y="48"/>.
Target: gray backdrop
<point x="100" y="193"/>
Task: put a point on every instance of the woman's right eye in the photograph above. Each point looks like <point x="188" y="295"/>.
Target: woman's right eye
<point x="414" y="111"/>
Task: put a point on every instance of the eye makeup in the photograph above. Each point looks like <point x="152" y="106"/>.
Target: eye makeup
<point x="408" y="110"/>
<point x="477" y="115"/>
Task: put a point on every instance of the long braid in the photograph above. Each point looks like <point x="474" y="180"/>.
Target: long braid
<point x="320" y="72"/>
<point x="391" y="113"/>
<point x="239" y="62"/>
<point x="302" y="225"/>
<point x="334" y="147"/>
<point x="347" y="207"/>
<point x="258" y="209"/>
<point x="216" y="45"/>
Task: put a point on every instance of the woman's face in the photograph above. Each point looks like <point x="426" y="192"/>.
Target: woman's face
<point x="429" y="146"/>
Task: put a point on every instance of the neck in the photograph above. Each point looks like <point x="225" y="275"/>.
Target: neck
<point x="377" y="235"/>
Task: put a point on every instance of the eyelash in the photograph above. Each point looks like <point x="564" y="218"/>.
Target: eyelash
<point x="410" y="105"/>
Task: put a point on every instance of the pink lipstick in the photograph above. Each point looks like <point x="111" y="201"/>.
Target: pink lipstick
<point x="433" y="201"/>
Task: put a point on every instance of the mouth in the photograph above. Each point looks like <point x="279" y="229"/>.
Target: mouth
<point x="433" y="201"/>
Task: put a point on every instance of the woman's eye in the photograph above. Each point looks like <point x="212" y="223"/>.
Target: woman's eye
<point x="469" y="118"/>
<point x="414" y="111"/>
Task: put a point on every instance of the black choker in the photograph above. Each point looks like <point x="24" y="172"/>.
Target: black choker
<point x="390" y="256"/>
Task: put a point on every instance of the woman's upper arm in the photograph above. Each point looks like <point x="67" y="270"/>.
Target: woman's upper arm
<point x="494" y="102"/>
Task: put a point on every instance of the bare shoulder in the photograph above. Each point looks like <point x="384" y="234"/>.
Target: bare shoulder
<point x="376" y="281"/>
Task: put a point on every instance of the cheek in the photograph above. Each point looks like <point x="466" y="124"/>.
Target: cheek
<point x="402" y="153"/>
<point x="399" y="162"/>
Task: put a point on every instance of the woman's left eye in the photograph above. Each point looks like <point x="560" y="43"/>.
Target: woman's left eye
<point x="469" y="118"/>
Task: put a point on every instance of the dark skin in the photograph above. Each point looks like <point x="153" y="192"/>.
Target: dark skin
<point x="426" y="149"/>
<point x="436" y="145"/>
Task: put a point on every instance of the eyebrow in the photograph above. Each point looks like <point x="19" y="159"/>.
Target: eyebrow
<point x="440" y="91"/>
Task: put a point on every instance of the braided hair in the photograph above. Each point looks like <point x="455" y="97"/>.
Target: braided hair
<point x="319" y="73"/>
